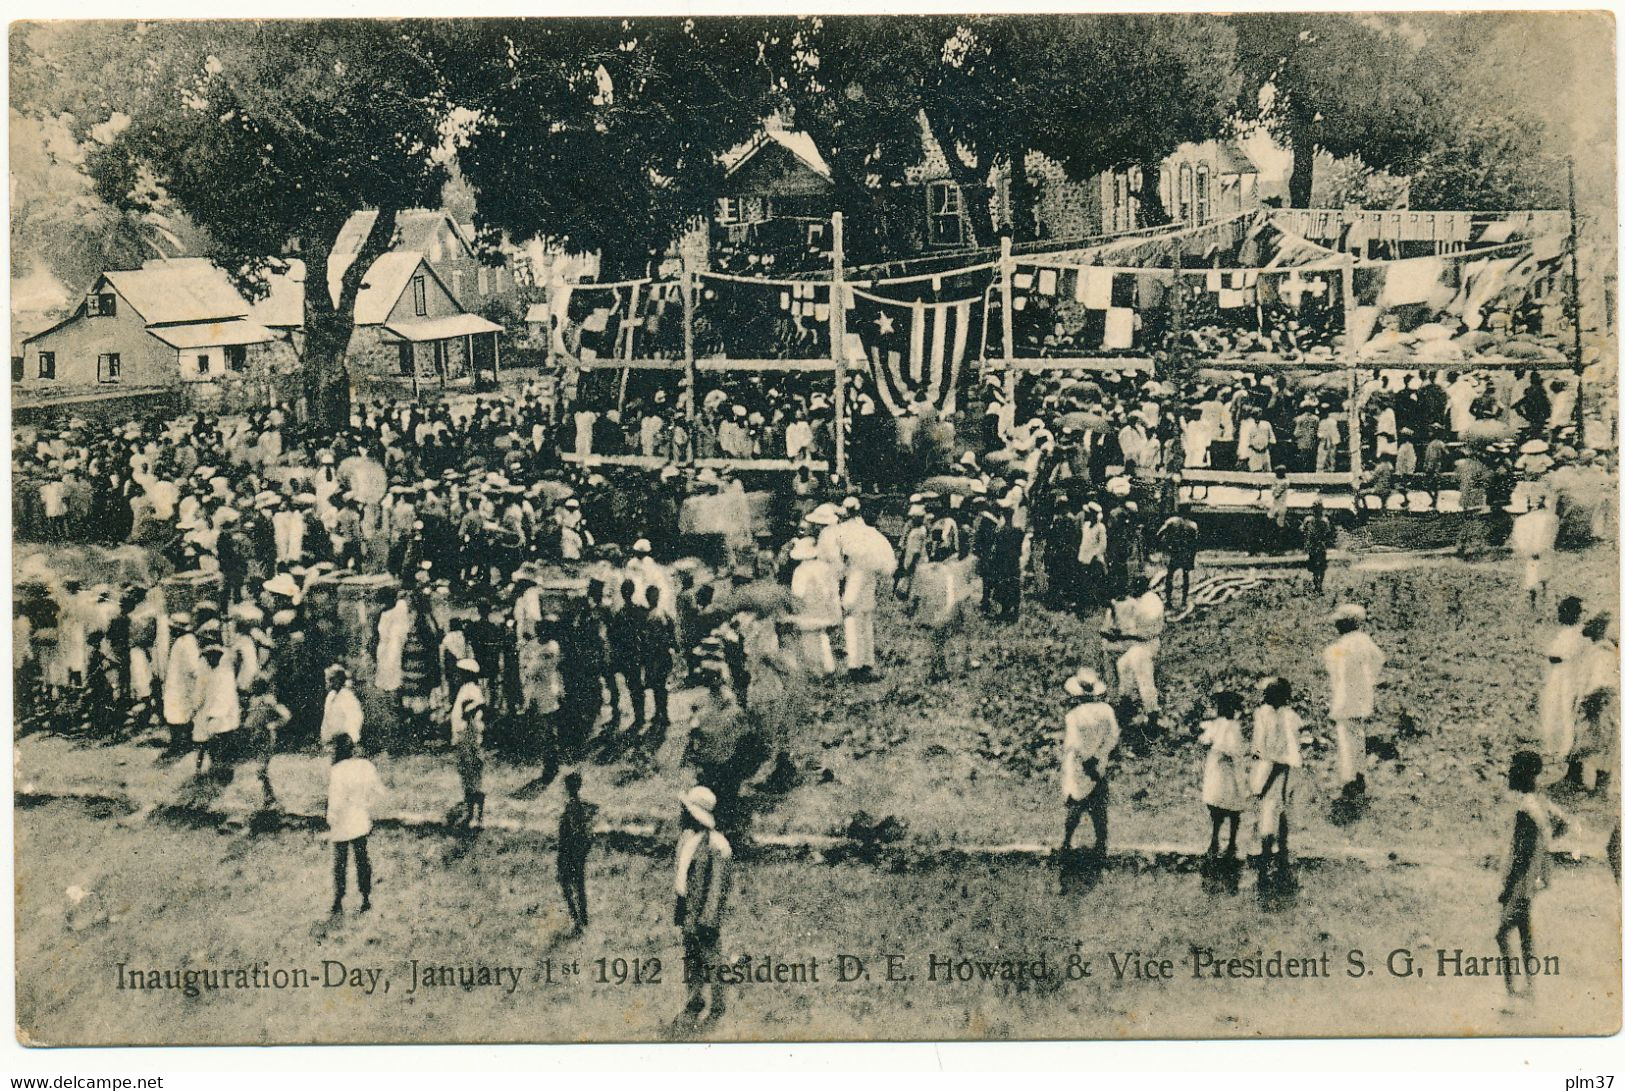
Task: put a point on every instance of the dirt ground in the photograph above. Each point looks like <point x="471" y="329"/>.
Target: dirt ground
<point x="95" y="892"/>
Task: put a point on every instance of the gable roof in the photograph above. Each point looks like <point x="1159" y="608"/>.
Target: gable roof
<point x="178" y="290"/>
<point x="416" y="231"/>
<point x="383" y="284"/>
<point x="1232" y="160"/>
<point x="798" y="144"/>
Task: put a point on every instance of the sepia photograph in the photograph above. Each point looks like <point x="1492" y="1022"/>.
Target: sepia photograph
<point x="766" y="527"/>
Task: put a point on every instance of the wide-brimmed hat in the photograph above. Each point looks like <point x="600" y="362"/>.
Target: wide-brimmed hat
<point x="642" y="546"/>
<point x="1535" y="447"/>
<point x="824" y="515"/>
<point x="1349" y="611"/>
<point x="1085" y="683"/>
<point x="469" y="665"/>
<point x="699" y="801"/>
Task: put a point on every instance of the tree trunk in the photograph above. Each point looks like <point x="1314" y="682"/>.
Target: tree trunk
<point x="972" y="190"/>
<point x="1023" y="223"/>
<point x="329" y="324"/>
<point x="1300" y="190"/>
<point x="1153" y="213"/>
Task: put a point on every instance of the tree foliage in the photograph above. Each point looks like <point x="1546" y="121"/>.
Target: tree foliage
<point x="603" y="134"/>
<point x="266" y="134"/>
<point x="1346" y="85"/>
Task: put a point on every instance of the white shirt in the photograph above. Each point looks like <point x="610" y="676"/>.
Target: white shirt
<point x="1353" y="662"/>
<point x="341" y="715"/>
<point x="353" y="790"/>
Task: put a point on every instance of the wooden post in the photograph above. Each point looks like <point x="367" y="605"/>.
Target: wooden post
<point x="1574" y="308"/>
<point x="1355" y="440"/>
<point x="690" y="378"/>
<point x="1175" y="355"/>
<point x="1007" y="273"/>
<point x="837" y="337"/>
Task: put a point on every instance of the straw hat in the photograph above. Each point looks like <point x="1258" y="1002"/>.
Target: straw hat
<point x="1349" y="611"/>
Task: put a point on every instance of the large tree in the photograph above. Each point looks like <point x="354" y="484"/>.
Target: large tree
<point x="1344" y="84"/>
<point x="605" y="135"/>
<point x="1092" y="92"/>
<point x="268" y="135"/>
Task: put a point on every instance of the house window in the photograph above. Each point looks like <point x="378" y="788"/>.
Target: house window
<point x="47" y="365"/>
<point x="420" y="295"/>
<point x="457" y="283"/>
<point x="406" y="363"/>
<point x="237" y="357"/>
<point x="202" y="362"/>
<point x="1204" y="199"/>
<point x="109" y="369"/>
<point x="104" y="304"/>
<point x="743" y="210"/>
<point x="482" y="280"/>
<point x="440" y="358"/>
<point x="945" y="221"/>
<point x="16" y="369"/>
<point x="1185" y="187"/>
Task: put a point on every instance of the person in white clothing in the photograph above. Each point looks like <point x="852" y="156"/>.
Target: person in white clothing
<point x="816" y="590"/>
<point x="394" y="624"/>
<point x="1354" y="667"/>
<point x="220" y="711"/>
<point x="1276" y="729"/>
<point x="183" y="680"/>
<point x="354" y="791"/>
<point x="1534" y="536"/>
<point x="341" y="710"/>
<point x="1090" y="736"/>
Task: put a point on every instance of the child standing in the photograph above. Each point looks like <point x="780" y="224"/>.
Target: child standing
<point x="1223" y="787"/>
<point x="1275" y="748"/>
<point x="1528" y="866"/>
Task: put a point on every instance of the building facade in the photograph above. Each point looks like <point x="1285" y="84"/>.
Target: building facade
<point x="172" y="327"/>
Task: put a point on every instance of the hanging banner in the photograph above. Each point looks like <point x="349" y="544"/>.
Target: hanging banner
<point x="915" y="348"/>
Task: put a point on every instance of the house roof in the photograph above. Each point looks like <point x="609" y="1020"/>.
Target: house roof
<point x="235" y="331"/>
<point x="438" y="329"/>
<point x="383" y="284"/>
<point x="284" y="301"/>
<point x="798" y="144"/>
<point x="178" y="290"/>
<point x="1232" y="160"/>
<point x="416" y="230"/>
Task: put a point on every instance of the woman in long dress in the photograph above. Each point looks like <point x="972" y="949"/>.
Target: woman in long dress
<point x="818" y="606"/>
<point x="1560" y="696"/>
<point x="393" y="626"/>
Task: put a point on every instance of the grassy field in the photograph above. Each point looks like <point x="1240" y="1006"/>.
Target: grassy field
<point x="94" y="892"/>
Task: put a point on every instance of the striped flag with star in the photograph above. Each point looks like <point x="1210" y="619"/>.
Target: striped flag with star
<point x="914" y="347"/>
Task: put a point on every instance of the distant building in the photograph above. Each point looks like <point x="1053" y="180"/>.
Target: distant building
<point x="173" y="327"/>
<point x="442" y="242"/>
<point x="781" y="193"/>
<point x="411" y="331"/>
<point x="778" y="199"/>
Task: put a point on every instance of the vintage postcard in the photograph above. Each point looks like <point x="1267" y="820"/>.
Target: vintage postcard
<point x="773" y="528"/>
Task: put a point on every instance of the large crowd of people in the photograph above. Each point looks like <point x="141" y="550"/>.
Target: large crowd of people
<point x="512" y="593"/>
